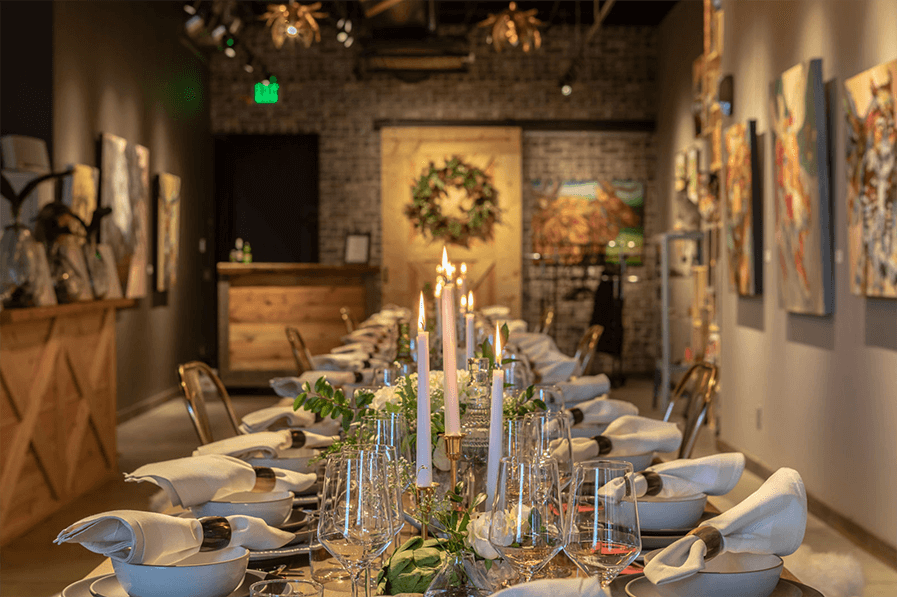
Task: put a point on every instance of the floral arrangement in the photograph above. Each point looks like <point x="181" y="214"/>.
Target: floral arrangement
<point x="456" y="202"/>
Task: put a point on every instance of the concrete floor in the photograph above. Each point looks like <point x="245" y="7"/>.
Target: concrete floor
<point x="33" y="566"/>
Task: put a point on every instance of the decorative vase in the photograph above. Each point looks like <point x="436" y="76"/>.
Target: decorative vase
<point x="461" y="576"/>
<point x="24" y="273"/>
<point x="475" y="427"/>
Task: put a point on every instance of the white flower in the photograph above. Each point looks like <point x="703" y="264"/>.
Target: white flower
<point x="385" y="395"/>
<point x="440" y="458"/>
<point x="478" y="536"/>
<point x="509" y="527"/>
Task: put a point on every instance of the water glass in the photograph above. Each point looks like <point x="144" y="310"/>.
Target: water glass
<point x="547" y="435"/>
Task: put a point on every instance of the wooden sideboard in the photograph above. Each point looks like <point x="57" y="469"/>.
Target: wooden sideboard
<point x="256" y="301"/>
<point x="57" y="408"/>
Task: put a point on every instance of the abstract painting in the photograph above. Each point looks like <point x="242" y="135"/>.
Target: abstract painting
<point x="79" y="191"/>
<point x="872" y="180"/>
<point x="124" y="186"/>
<point x="577" y="218"/>
<point x="802" y="200"/>
<point x="691" y="175"/>
<point x="679" y="171"/>
<point x="744" y="209"/>
<point x="168" y="199"/>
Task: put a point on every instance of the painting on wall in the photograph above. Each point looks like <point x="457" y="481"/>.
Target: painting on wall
<point x="679" y="171"/>
<point x="872" y="180"/>
<point x="577" y="218"/>
<point x="124" y="186"/>
<point x="79" y="191"/>
<point x="692" y="178"/>
<point x="168" y="200"/>
<point x="802" y="185"/>
<point x="744" y="209"/>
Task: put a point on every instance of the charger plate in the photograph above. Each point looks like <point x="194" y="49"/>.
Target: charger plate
<point x="642" y="587"/>
<point x="85" y="587"/>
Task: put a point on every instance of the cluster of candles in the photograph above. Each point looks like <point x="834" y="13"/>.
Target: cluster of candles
<point x="445" y="298"/>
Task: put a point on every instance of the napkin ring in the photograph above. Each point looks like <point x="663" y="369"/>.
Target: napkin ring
<point x="711" y="537"/>
<point x="265" y="479"/>
<point x="604" y="445"/>
<point x="298" y="437"/>
<point x="216" y="533"/>
<point x="577" y="416"/>
<point x="654" y="481"/>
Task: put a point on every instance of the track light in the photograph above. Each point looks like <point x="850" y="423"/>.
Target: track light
<point x="230" y="52"/>
<point x="248" y="67"/>
<point x="566" y="89"/>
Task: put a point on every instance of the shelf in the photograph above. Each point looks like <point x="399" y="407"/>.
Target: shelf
<point x="36" y="313"/>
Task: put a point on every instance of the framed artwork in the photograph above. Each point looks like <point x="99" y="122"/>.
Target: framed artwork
<point x="80" y="189"/>
<point x="679" y="171"/>
<point x="802" y="190"/>
<point x="872" y="180"/>
<point x="577" y="218"/>
<point x="168" y="202"/>
<point x="358" y="248"/>
<point x="124" y="186"/>
<point x="744" y="209"/>
<point x="691" y="175"/>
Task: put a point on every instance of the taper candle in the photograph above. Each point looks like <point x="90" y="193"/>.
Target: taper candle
<point x="469" y="335"/>
<point x="424" y="447"/>
<point x="449" y="350"/>
<point x="495" y="423"/>
<point x="437" y="294"/>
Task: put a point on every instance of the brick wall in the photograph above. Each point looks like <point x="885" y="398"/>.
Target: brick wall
<point x="319" y="94"/>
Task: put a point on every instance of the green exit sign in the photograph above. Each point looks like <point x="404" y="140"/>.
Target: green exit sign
<point x="266" y="91"/>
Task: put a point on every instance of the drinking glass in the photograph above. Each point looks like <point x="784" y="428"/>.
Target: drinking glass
<point x="286" y="586"/>
<point x="389" y="429"/>
<point x="603" y="530"/>
<point x="387" y="376"/>
<point x="355" y="521"/>
<point x="547" y="435"/>
<point x="551" y="395"/>
<point x="513" y="438"/>
<point x="527" y="514"/>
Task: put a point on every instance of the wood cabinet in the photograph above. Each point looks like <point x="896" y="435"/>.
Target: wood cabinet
<point x="256" y="301"/>
<point x="57" y="408"/>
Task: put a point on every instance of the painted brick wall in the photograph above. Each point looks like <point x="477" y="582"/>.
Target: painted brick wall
<point x="320" y="94"/>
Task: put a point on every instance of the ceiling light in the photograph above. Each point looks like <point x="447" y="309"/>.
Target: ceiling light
<point x="230" y="52"/>
<point x="348" y="26"/>
<point x="189" y="9"/>
<point x="515" y="28"/>
<point x="294" y="21"/>
<point x="292" y="31"/>
<point x="340" y="23"/>
<point x="566" y="89"/>
<point x="248" y="67"/>
<point x="342" y="36"/>
<point x="349" y="42"/>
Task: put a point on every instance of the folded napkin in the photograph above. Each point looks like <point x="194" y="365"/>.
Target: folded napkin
<point x="627" y="436"/>
<point x="711" y="475"/>
<point x="352" y="347"/>
<point x="494" y="311"/>
<point x="199" y="479"/>
<point x="265" y="418"/>
<point x="772" y="520"/>
<point x="570" y="587"/>
<point x="266" y="443"/>
<point x="353" y="361"/>
<point x="138" y="537"/>
<point x="290" y="387"/>
<point x="600" y="411"/>
<point x="531" y="342"/>
<point x="557" y="367"/>
<point x="585" y="388"/>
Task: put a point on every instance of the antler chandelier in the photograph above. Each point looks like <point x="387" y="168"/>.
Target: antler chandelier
<point x="294" y="21"/>
<point x="514" y="27"/>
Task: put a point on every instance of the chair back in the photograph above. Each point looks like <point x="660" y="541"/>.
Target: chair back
<point x="346" y="314"/>
<point x="693" y="395"/>
<point x="585" y="350"/>
<point x="301" y="353"/>
<point x="190" y="375"/>
<point x="546" y="319"/>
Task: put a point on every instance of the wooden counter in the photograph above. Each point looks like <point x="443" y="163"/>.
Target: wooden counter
<point x="57" y="408"/>
<point x="256" y="301"/>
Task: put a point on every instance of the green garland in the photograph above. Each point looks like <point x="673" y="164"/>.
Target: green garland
<point x="466" y="222"/>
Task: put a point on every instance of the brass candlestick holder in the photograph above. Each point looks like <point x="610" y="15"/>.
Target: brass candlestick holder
<point x="425" y="497"/>
<point x="453" y="451"/>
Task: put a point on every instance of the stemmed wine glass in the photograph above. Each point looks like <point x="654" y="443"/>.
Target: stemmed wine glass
<point x="355" y="521"/>
<point x="603" y="529"/>
<point x="390" y="429"/>
<point x="547" y="435"/>
<point x="527" y="514"/>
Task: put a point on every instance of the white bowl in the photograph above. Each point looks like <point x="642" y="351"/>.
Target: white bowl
<point x="272" y="507"/>
<point x="639" y="461"/>
<point x="291" y="460"/>
<point x="663" y="514"/>
<point x="728" y="574"/>
<point x="205" y="574"/>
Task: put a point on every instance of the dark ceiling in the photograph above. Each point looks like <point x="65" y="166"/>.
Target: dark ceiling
<point x="554" y="12"/>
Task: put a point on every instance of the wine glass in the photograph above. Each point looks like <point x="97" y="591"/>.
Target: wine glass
<point x="547" y="435"/>
<point x="389" y="429"/>
<point x="355" y="519"/>
<point x="527" y="514"/>
<point x="603" y="530"/>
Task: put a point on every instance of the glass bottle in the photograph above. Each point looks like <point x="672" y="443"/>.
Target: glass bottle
<point x="475" y="426"/>
<point x="403" y="349"/>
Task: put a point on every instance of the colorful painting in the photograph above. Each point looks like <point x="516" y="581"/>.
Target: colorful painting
<point x="168" y="199"/>
<point x="79" y="191"/>
<point x="872" y="180"/>
<point x="691" y="175"/>
<point x="124" y="186"/>
<point x="744" y="209"/>
<point x="802" y="201"/>
<point x="679" y="172"/>
<point x="575" y="219"/>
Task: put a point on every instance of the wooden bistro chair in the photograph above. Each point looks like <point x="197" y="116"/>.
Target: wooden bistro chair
<point x="191" y="385"/>
<point x="695" y="391"/>
<point x="585" y="350"/>
<point x="304" y="362"/>
<point x="346" y="314"/>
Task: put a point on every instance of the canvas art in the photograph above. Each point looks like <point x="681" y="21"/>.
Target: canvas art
<point x="79" y="191"/>
<point x="168" y="199"/>
<point x="802" y="201"/>
<point x="692" y="169"/>
<point x="744" y="209"/>
<point x="679" y="171"/>
<point x="580" y="217"/>
<point x="872" y="180"/>
<point x="124" y="186"/>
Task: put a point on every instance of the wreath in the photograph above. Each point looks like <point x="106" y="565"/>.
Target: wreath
<point x="456" y="202"/>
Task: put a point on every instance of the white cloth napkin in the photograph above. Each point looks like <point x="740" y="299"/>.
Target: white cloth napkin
<point x="266" y="443"/>
<point x="367" y="347"/>
<point x="290" y="387"/>
<point x="493" y="311"/>
<point x="265" y="418"/>
<point x="138" y="537"/>
<point x="352" y="361"/>
<point x="772" y="520"/>
<point x="585" y="388"/>
<point x="199" y="479"/>
<point x="712" y="475"/>
<point x="572" y="587"/>
<point x="603" y="410"/>
<point x="631" y="435"/>
<point x="555" y="368"/>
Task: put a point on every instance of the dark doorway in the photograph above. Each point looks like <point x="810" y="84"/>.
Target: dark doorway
<point x="266" y="190"/>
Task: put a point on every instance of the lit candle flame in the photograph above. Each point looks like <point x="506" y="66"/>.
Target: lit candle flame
<point x="463" y="303"/>
<point x="421" y="320"/>
<point x="470" y="301"/>
<point x="447" y="267"/>
<point x="437" y="292"/>
<point x="497" y="346"/>
<point x="463" y="269"/>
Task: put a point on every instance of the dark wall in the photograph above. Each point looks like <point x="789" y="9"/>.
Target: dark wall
<point x="120" y="68"/>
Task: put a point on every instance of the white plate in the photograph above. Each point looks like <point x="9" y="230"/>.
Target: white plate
<point x="651" y="542"/>
<point x="642" y="587"/>
<point x="108" y="586"/>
